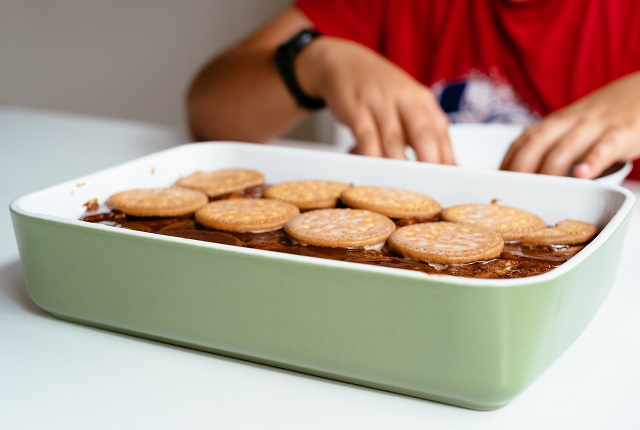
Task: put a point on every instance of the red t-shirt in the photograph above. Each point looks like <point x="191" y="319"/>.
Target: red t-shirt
<point x="532" y="56"/>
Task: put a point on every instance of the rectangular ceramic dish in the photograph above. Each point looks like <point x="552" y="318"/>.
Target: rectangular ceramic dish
<point x="475" y="343"/>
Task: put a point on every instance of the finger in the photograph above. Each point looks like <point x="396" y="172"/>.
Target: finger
<point x="427" y="132"/>
<point x="562" y="155"/>
<point x="446" y="148"/>
<point x="365" y="131"/>
<point x="610" y="148"/>
<point x="392" y="138"/>
<point x="444" y="142"/>
<point x="528" y="150"/>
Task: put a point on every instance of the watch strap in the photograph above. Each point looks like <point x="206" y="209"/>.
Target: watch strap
<point x="284" y="57"/>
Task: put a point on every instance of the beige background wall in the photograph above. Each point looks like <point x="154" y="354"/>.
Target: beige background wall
<point x="128" y="59"/>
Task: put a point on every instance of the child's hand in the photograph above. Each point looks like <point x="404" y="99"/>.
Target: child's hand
<point x="384" y="107"/>
<point x="586" y="137"/>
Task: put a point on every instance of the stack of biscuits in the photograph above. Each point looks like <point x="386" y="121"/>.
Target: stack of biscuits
<point x="339" y="215"/>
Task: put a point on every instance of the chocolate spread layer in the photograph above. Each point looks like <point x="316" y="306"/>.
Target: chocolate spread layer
<point x="516" y="260"/>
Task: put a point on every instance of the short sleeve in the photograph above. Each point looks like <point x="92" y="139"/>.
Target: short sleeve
<point x="357" y="20"/>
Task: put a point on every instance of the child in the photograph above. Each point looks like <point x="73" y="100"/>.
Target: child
<point x="397" y="72"/>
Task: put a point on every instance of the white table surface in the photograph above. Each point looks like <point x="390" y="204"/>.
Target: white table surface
<point x="56" y="374"/>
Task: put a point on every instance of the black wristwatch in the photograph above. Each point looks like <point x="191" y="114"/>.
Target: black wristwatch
<point x="284" y="57"/>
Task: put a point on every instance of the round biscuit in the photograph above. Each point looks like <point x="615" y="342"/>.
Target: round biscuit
<point x="220" y="182"/>
<point x="511" y="223"/>
<point x="446" y="243"/>
<point x="307" y="195"/>
<point x="340" y="228"/>
<point x="566" y="232"/>
<point x="246" y="215"/>
<point x="392" y="202"/>
<point x="161" y="202"/>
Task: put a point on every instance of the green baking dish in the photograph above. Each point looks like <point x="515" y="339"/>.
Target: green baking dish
<point x="475" y="343"/>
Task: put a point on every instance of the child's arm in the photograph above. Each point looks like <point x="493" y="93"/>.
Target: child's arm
<point x="239" y="95"/>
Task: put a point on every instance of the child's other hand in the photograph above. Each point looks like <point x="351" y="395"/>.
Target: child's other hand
<point x="586" y="137"/>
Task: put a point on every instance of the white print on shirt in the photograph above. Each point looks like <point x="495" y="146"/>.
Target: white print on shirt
<point x="479" y="98"/>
